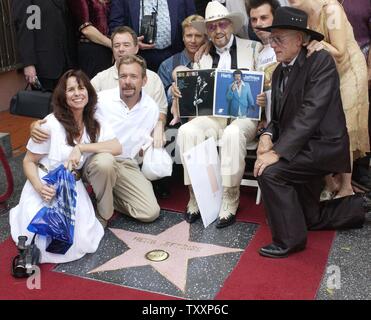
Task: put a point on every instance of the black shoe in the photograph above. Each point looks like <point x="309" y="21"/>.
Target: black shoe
<point x="192" y="217"/>
<point x="163" y="192"/>
<point x="225" y="222"/>
<point x="366" y="201"/>
<point x="361" y="177"/>
<point x="275" y="251"/>
<point x="161" y="189"/>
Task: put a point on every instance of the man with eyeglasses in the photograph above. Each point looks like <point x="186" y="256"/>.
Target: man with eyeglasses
<point x="239" y="6"/>
<point x="306" y="140"/>
<point x="227" y="52"/>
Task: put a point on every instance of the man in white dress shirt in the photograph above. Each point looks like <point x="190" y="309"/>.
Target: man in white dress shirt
<point x="117" y="181"/>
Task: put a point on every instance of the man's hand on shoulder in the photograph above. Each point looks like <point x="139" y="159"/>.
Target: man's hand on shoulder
<point x="38" y="135"/>
<point x="203" y="50"/>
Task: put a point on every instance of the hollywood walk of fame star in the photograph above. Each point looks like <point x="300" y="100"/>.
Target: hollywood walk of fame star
<point x="174" y="240"/>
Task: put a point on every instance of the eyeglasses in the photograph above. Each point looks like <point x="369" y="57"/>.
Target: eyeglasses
<point x="223" y="24"/>
<point x="278" y="40"/>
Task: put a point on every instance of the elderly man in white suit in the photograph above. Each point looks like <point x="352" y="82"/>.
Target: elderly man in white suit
<point x="239" y="6"/>
<point x="227" y="52"/>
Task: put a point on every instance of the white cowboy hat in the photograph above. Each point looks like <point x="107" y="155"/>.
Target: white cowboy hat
<point x="216" y="11"/>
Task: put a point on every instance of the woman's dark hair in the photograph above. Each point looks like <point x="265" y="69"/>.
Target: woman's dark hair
<point x="63" y="113"/>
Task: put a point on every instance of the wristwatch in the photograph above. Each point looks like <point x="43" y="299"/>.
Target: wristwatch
<point x="260" y="132"/>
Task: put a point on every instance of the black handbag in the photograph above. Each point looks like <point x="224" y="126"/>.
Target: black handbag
<point x="31" y="103"/>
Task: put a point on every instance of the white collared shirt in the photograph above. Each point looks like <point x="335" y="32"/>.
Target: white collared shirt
<point x="266" y="57"/>
<point x="291" y="62"/>
<point x="225" y="60"/>
<point x="239" y="88"/>
<point x="286" y="65"/>
<point x="132" y="127"/>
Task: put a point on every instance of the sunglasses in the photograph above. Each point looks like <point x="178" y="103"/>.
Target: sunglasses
<point x="224" y="24"/>
<point x="278" y="40"/>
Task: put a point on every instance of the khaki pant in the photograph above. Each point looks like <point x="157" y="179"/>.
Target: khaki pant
<point x="234" y="139"/>
<point x="119" y="184"/>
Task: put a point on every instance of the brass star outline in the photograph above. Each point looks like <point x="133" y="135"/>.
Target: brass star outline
<point x="174" y="240"/>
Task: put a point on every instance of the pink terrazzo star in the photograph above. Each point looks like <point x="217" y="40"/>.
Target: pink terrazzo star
<point x="174" y="240"/>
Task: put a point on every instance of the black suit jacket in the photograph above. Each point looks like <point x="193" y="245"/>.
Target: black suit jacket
<point x="310" y="125"/>
<point x="51" y="48"/>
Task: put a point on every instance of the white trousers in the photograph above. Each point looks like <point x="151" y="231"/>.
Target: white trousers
<point x="234" y="139"/>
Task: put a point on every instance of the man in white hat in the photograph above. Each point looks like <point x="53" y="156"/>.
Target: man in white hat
<point x="227" y="52"/>
<point x="239" y="6"/>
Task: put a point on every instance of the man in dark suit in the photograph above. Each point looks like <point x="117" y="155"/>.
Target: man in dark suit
<point x="306" y="139"/>
<point x="46" y="47"/>
<point x="202" y="97"/>
<point x="170" y="14"/>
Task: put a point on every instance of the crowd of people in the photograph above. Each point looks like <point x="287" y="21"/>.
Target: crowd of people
<point x="113" y="89"/>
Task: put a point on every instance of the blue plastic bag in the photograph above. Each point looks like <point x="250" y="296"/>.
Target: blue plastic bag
<point x="57" y="221"/>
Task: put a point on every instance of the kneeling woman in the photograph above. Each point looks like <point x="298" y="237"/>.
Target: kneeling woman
<point x="74" y="134"/>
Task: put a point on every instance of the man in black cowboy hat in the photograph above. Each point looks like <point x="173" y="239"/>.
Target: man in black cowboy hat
<point x="306" y="139"/>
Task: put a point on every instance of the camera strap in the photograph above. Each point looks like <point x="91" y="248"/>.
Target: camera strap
<point x="156" y="11"/>
<point x="33" y="238"/>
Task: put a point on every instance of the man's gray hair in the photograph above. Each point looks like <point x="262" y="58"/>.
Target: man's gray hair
<point x="306" y="38"/>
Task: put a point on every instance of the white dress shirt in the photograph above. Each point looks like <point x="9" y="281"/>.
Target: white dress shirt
<point x="132" y="127"/>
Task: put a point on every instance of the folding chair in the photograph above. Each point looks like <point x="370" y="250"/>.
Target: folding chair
<point x="248" y="177"/>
